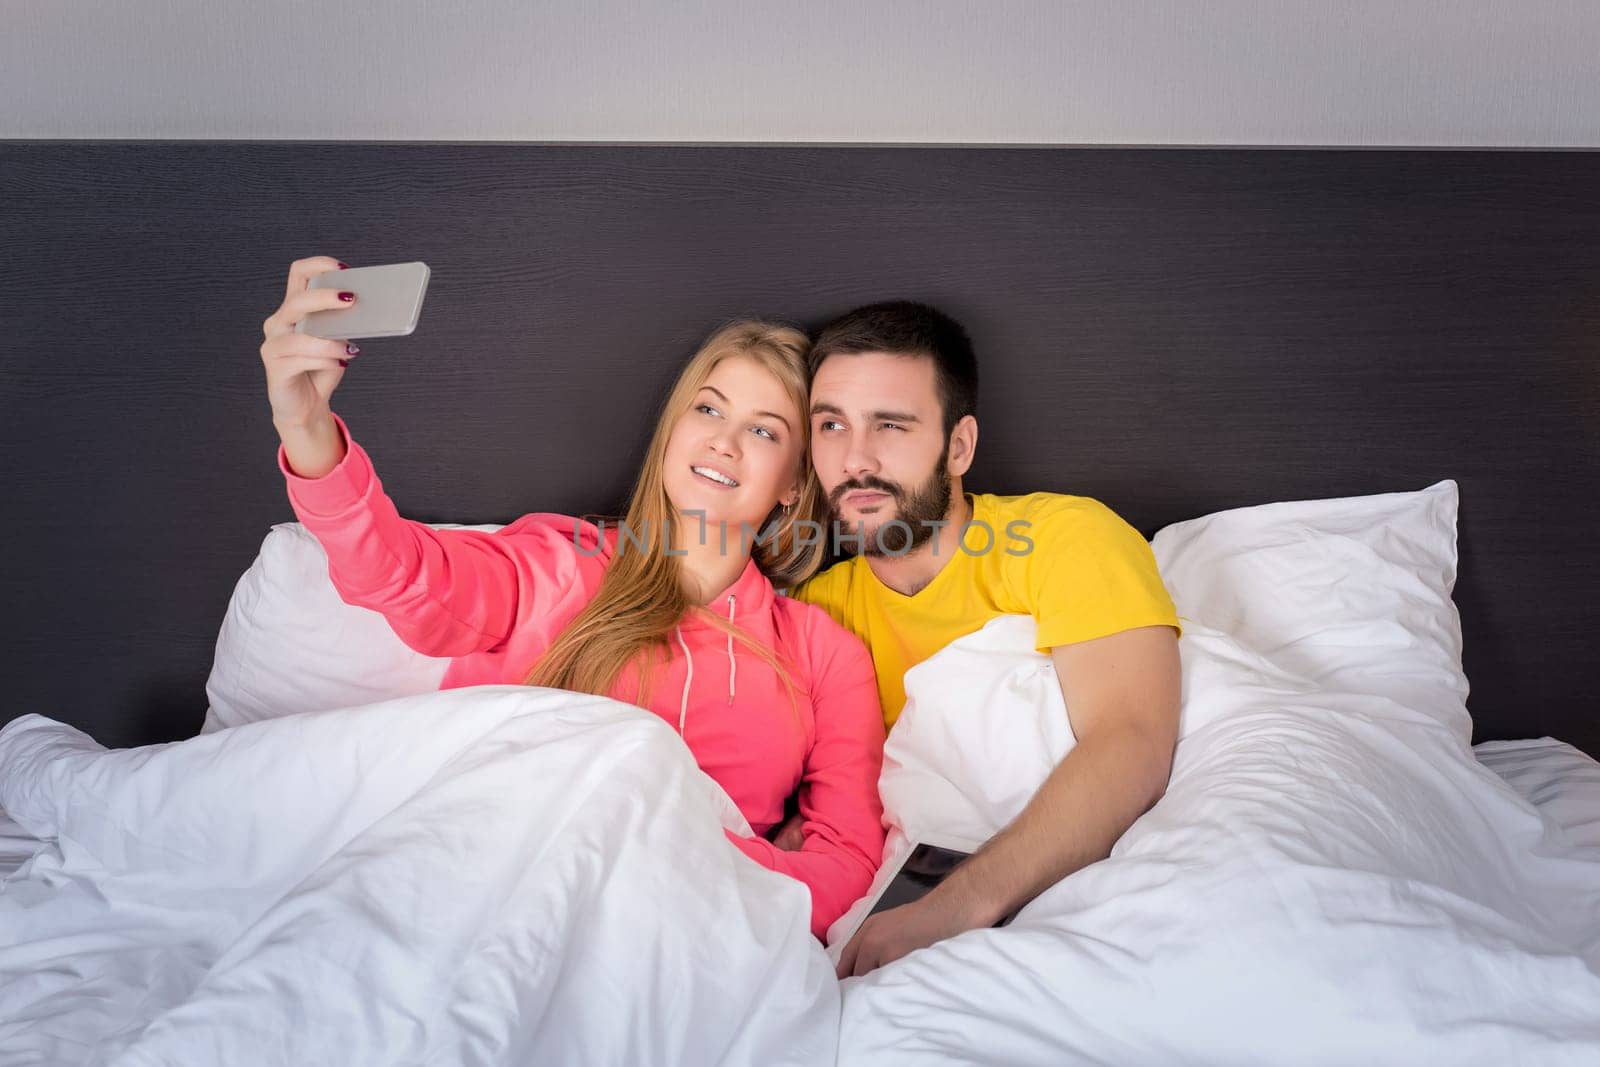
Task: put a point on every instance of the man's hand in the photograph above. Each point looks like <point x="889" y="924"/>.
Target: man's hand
<point x="790" y="837"/>
<point x="887" y="936"/>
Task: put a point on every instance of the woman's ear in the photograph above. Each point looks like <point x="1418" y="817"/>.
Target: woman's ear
<point x="789" y="496"/>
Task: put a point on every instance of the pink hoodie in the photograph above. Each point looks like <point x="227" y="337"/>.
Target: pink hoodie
<point x="493" y="602"/>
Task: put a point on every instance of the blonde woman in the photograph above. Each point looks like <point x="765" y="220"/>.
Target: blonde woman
<point x="674" y="609"/>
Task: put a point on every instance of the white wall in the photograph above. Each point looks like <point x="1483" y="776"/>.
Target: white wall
<point x="1266" y="72"/>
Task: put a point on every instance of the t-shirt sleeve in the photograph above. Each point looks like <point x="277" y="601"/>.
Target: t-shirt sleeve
<point x="1088" y="574"/>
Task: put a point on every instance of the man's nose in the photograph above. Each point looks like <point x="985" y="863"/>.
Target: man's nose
<point x="858" y="458"/>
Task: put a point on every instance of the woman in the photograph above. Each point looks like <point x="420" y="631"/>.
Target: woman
<point x="675" y="616"/>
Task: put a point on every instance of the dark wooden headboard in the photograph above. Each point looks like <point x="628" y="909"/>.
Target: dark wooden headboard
<point x="1173" y="331"/>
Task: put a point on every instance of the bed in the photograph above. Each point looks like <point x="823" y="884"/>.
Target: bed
<point x="1184" y="334"/>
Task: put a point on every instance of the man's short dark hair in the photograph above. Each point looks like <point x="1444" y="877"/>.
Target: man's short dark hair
<point x="906" y="328"/>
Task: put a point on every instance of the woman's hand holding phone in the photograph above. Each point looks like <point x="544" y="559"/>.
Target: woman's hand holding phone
<point x="303" y="370"/>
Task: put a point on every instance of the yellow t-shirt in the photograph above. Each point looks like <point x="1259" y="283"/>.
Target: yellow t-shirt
<point x="1069" y="561"/>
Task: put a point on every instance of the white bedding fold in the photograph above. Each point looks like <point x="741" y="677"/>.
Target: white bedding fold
<point x="495" y="874"/>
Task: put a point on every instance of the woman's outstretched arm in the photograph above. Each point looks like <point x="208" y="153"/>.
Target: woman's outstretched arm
<point x="446" y="592"/>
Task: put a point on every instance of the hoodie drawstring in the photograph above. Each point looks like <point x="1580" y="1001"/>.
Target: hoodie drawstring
<point x="688" y="674"/>
<point x="730" y="649"/>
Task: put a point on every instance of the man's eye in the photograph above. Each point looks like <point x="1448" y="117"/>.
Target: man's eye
<point x="828" y="424"/>
<point x="892" y="426"/>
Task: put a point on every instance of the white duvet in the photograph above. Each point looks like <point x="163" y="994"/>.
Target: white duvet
<point x="493" y="875"/>
<point x="1329" y="879"/>
<point x="504" y="875"/>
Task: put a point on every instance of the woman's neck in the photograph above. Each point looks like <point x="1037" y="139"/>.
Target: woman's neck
<point x="710" y="568"/>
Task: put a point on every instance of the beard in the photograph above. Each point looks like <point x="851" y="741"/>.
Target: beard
<point x="928" y="503"/>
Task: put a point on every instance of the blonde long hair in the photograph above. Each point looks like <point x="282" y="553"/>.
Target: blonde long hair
<point x="641" y="596"/>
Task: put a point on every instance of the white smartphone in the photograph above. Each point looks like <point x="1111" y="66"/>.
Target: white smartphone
<point x="388" y="302"/>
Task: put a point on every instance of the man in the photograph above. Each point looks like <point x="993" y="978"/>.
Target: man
<point x="893" y="398"/>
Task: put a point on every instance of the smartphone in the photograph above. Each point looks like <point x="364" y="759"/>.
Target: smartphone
<point x="387" y="304"/>
<point x="929" y="861"/>
<point x="925" y="867"/>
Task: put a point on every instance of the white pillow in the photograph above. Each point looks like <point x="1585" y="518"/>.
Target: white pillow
<point x="1352" y="594"/>
<point x="289" y="643"/>
<point x="983" y="723"/>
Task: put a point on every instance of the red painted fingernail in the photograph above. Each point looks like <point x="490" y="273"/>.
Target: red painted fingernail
<point x="344" y="363"/>
<point x="343" y="265"/>
<point x="347" y="297"/>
